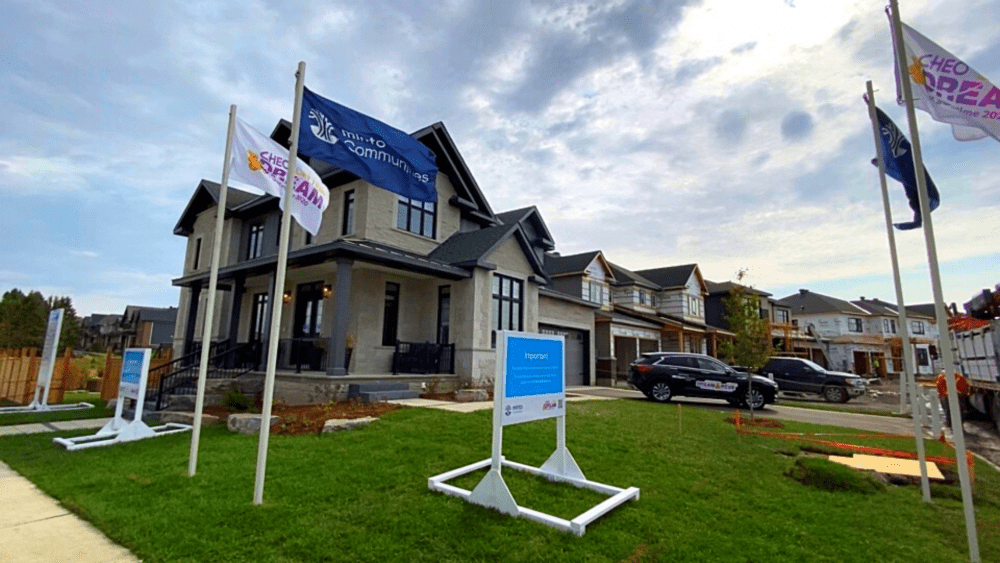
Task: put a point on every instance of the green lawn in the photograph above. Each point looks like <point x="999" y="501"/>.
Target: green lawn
<point x="708" y="494"/>
<point x="99" y="410"/>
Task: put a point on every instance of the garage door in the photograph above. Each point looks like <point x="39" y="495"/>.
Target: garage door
<point x="576" y="352"/>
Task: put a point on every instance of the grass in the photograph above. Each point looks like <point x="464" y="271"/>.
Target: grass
<point x="708" y="494"/>
<point x="100" y="410"/>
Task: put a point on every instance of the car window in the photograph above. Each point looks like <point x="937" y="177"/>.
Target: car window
<point x="674" y="361"/>
<point x="646" y="360"/>
<point x="710" y="365"/>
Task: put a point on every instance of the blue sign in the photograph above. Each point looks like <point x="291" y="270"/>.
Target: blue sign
<point x="132" y="367"/>
<point x="534" y="367"/>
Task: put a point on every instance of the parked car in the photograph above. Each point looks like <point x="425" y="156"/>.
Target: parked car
<point x="801" y="376"/>
<point x="664" y="375"/>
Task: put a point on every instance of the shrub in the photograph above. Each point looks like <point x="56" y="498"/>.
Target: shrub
<point x="237" y="402"/>
<point x="827" y="475"/>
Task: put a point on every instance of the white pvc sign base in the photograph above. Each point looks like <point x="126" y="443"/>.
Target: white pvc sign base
<point x="536" y="366"/>
<point x="132" y="385"/>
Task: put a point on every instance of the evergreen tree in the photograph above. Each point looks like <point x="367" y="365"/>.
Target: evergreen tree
<point x="24" y="319"/>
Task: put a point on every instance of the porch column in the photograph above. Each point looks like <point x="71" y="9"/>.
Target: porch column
<point x="234" y="314"/>
<point x="265" y="336"/>
<point x="192" y="318"/>
<point x="341" y="315"/>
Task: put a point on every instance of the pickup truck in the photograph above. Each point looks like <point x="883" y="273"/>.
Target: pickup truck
<point x="801" y="377"/>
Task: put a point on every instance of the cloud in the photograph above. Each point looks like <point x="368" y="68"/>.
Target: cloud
<point x="744" y="48"/>
<point x="730" y="127"/>
<point x="796" y="126"/>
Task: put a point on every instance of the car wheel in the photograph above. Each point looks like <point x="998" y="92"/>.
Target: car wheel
<point x="754" y="399"/>
<point x="660" y="392"/>
<point x="835" y="394"/>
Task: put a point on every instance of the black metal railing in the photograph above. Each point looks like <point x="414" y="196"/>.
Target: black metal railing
<point x="225" y="363"/>
<point x="423" y="357"/>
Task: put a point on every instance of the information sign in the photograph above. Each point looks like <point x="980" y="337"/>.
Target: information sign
<point x="135" y="365"/>
<point x="534" y="378"/>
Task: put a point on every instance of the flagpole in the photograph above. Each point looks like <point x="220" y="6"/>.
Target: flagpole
<point x="906" y="376"/>
<point x="939" y="310"/>
<point x="279" y="284"/>
<point x="213" y="283"/>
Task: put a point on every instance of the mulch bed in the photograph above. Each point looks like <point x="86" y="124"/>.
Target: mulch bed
<point x="309" y="419"/>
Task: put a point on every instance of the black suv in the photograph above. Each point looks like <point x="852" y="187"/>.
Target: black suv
<point x="801" y="376"/>
<point x="662" y="375"/>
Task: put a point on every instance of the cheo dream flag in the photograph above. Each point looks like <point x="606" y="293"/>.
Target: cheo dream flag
<point x="949" y="89"/>
<point x="899" y="164"/>
<point x="375" y="152"/>
<point x="258" y="160"/>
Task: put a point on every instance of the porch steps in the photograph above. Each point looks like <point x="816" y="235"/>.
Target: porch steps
<point x="380" y="391"/>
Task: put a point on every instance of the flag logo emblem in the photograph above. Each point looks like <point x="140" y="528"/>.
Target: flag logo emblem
<point x="322" y="127"/>
<point x="253" y="161"/>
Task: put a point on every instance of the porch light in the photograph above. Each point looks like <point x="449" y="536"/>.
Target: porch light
<point x="286" y="297"/>
<point x="327" y="290"/>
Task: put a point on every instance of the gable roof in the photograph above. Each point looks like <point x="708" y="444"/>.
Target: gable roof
<point x="716" y="288"/>
<point x="471" y="248"/>
<point x="923" y="309"/>
<point x="808" y="302"/>
<point x="624" y="276"/>
<point x="207" y="195"/>
<point x="575" y="264"/>
<point x="135" y="313"/>
<point x="673" y="276"/>
<point x="532" y="216"/>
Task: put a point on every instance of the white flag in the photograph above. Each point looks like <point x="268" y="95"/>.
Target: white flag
<point x="259" y="161"/>
<point x="950" y="90"/>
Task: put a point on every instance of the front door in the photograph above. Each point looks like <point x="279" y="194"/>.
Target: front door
<point x="308" y="323"/>
<point x="861" y="363"/>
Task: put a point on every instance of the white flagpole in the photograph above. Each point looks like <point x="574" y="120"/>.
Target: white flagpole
<point x="906" y="376"/>
<point x="279" y="284"/>
<point x="939" y="310"/>
<point x="213" y="283"/>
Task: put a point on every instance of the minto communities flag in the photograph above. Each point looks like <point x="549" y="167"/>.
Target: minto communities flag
<point x="950" y="90"/>
<point x="899" y="165"/>
<point x="377" y="153"/>
<point x="259" y="161"/>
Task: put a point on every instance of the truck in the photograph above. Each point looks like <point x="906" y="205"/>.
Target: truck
<point x="976" y="338"/>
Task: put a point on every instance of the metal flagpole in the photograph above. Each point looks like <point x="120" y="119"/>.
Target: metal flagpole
<point x="906" y="376"/>
<point x="279" y="284"/>
<point x="939" y="310"/>
<point x="213" y="283"/>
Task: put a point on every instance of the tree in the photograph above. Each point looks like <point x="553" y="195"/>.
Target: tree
<point x="751" y="345"/>
<point x="24" y="318"/>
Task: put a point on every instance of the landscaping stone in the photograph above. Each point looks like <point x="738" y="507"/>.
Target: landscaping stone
<point x="337" y="424"/>
<point x="471" y="395"/>
<point x="187" y="418"/>
<point x="247" y="423"/>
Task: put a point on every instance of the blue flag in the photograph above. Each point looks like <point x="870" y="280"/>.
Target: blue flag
<point x="375" y="152"/>
<point x="899" y="164"/>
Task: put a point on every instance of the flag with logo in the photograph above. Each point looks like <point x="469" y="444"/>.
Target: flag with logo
<point x="899" y="164"/>
<point x="375" y="152"/>
<point x="259" y="161"/>
<point x="948" y="89"/>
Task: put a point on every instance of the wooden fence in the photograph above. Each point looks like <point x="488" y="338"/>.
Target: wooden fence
<point x="19" y="373"/>
<point x="113" y="370"/>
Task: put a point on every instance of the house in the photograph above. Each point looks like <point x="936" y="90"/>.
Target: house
<point x="382" y="274"/>
<point x="786" y="336"/>
<point x="859" y="336"/>
<point x="98" y="331"/>
<point x="146" y="327"/>
<point x="923" y="333"/>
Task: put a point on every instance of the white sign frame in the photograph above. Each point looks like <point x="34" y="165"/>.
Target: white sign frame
<point x="131" y="385"/>
<point x="50" y="352"/>
<point x="492" y="491"/>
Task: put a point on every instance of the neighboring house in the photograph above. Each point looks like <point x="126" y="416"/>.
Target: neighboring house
<point x="786" y="336"/>
<point x="99" y="331"/>
<point x="382" y="269"/>
<point x="923" y="334"/>
<point x="146" y="327"/>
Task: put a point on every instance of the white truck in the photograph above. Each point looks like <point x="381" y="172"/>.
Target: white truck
<point x="977" y="339"/>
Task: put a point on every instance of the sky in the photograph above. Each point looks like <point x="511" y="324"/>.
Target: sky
<point x="728" y="134"/>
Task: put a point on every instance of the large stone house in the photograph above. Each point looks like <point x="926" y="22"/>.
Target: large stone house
<point x="382" y="269"/>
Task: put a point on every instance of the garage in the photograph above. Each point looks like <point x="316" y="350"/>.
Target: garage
<point x="576" y="352"/>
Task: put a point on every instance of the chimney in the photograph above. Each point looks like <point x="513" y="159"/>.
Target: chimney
<point x="803" y="291"/>
<point x="862" y="297"/>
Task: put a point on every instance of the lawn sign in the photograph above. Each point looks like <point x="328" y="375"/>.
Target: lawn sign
<point x="530" y="385"/>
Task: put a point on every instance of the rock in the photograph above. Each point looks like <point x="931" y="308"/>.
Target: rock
<point x="247" y="423"/>
<point x="471" y="395"/>
<point x="186" y="418"/>
<point x="337" y="424"/>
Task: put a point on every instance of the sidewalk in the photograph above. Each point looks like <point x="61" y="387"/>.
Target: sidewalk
<point x="571" y="397"/>
<point x="35" y="528"/>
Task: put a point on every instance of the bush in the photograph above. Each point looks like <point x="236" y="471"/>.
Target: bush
<point x="827" y="475"/>
<point x="237" y="402"/>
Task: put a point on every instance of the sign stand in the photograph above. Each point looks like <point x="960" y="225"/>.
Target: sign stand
<point x="530" y="385"/>
<point x="49" y="350"/>
<point x="135" y="372"/>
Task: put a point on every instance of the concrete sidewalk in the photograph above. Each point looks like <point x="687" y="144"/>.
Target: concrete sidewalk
<point x="35" y="528"/>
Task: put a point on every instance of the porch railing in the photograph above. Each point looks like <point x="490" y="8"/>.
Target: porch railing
<point x="182" y="378"/>
<point x="423" y="357"/>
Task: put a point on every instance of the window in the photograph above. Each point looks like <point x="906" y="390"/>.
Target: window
<point x="416" y="216"/>
<point x="197" y="253"/>
<point x="277" y="237"/>
<point x="508" y="300"/>
<point x="922" y="358"/>
<point x="390" y="318"/>
<point x="255" y="241"/>
<point x="444" y="313"/>
<point x="595" y="292"/>
<point x="762" y="313"/>
<point x="347" y="223"/>
<point x="781" y="316"/>
<point x="642" y="297"/>
<point x="309" y="238"/>
<point x="889" y="326"/>
<point x="917" y="327"/>
<point x="258" y="316"/>
<point x="854" y="325"/>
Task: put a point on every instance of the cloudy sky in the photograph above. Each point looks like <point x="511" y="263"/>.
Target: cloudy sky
<point x="731" y="134"/>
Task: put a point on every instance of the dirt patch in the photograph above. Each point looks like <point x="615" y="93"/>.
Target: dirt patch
<point x="309" y="419"/>
<point x="757" y="423"/>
